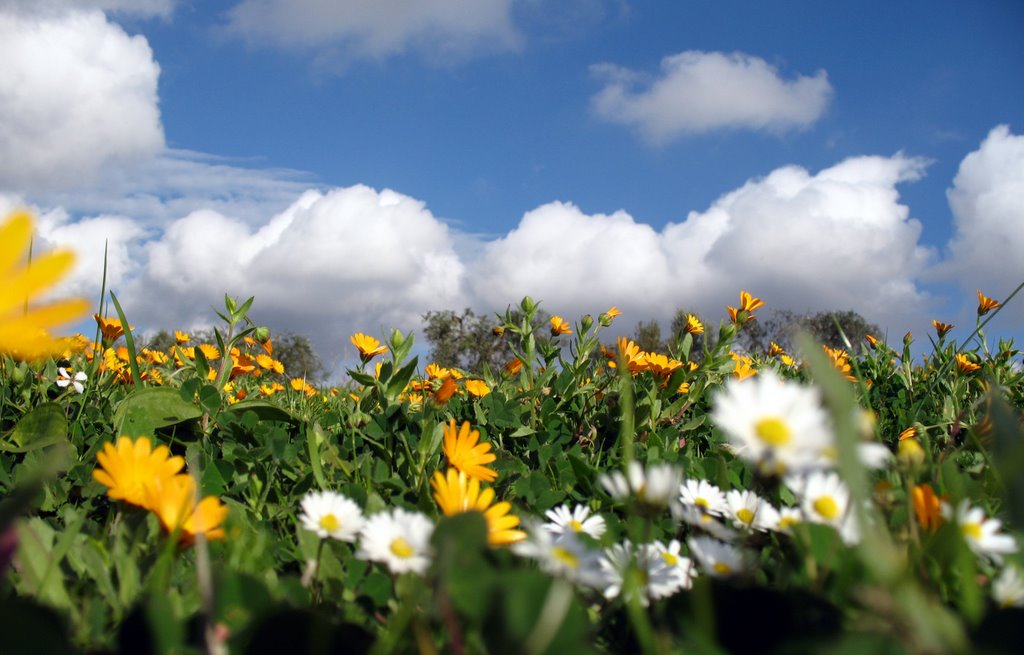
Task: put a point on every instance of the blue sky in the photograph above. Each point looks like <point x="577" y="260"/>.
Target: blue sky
<point x="589" y="153"/>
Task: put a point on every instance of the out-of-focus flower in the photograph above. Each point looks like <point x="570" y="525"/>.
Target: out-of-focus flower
<point x="717" y="558"/>
<point x="657" y="487"/>
<point x="477" y="388"/>
<point x="562" y="554"/>
<point x="986" y="304"/>
<point x="25" y="332"/>
<point x="330" y="514"/>
<point x="181" y="337"/>
<point x="910" y="452"/>
<point x="660" y="579"/>
<point x="562" y="520"/>
<point x="130" y="468"/>
<point x="514" y="366"/>
<point x="399" y="539"/>
<point x="872" y="341"/>
<point x="980" y="532"/>
<point x="559" y="326"/>
<point x="1008" y="588"/>
<point x="463" y="451"/>
<point x="367" y="346"/>
<point x="175" y="502"/>
<point x="445" y="392"/>
<point x="456" y="493"/>
<point x="927" y="507"/>
<point x="775" y="349"/>
<point x="76" y="381"/>
<point x="744" y="367"/>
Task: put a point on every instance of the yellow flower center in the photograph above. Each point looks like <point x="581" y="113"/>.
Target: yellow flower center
<point x="566" y="557"/>
<point x="745" y="515"/>
<point x="773" y="431"/>
<point x="722" y="568"/>
<point x="329" y="522"/>
<point x="787" y="522"/>
<point x="826" y="506"/>
<point x="702" y="503"/>
<point x="971" y="530"/>
<point x="576" y="526"/>
<point x="401" y="548"/>
<point x="669" y="558"/>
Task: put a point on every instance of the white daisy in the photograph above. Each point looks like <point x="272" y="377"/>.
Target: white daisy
<point x="660" y="579"/>
<point x="398" y="538"/>
<point x="657" y="487"/>
<point x="787" y="517"/>
<point x="703" y="495"/>
<point x="564" y="555"/>
<point x="718" y="558"/>
<point x="708" y="523"/>
<point x="64" y="379"/>
<point x="1008" y="588"/>
<point x="749" y="511"/>
<point x="683" y="565"/>
<point x="778" y="425"/>
<point x="981" y="533"/>
<point x="330" y="514"/>
<point x="825" y="498"/>
<point x="579" y="519"/>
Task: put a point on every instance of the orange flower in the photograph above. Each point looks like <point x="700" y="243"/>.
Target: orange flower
<point x="269" y="363"/>
<point x="514" y="366"/>
<point x="559" y="326"/>
<point x="986" y="304"/>
<point x="110" y="327"/>
<point x="435" y="372"/>
<point x="477" y="388"/>
<point x="661" y="364"/>
<point x="872" y="341"/>
<point x="636" y="359"/>
<point x="173" y="500"/>
<point x="445" y="392"/>
<point x="299" y="384"/>
<point x="465" y="454"/>
<point x="775" y="349"/>
<point x="942" y="328"/>
<point x="965" y="365"/>
<point x="745" y="312"/>
<point x="909" y="433"/>
<point x="613" y="312"/>
<point x="181" y="337"/>
<point x="367" y="346"/>
<point x="927" y="507"/>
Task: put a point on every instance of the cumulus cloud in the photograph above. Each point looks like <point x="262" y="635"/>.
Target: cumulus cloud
<point x="76" y="93"/>
<point x="141" y="8"/>
<point x="985" y="250"/>
<point x="703" y="91"/>
<point x="838" y="239"/>
<point x="377" y="28"/>
<point x="330" y="264"/>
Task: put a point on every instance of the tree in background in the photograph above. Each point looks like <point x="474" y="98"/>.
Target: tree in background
<point x="781" y="325"/>
<point x="468" y="341"/>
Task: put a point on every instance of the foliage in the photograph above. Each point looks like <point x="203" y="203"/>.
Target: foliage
<point x="835" y="329"/>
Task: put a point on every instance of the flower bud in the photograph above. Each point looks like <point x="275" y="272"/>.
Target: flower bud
<point x="261" y="334"/>
<point x="910" y="453"/>
<point x="586" y="322"/>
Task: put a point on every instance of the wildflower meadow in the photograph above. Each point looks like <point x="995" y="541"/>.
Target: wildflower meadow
<point x="587" y="497"/>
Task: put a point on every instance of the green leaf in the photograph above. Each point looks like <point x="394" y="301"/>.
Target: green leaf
<point x="129" y="341"/>
<point x="39" y="559"/>
<point x="398" y="381"/>
<point x="314" y="437"/>
<point x="44" y="426"/>
<point x="459" y="544"/>
<point x="145" y="410"/>
<point x="264" y="410"/>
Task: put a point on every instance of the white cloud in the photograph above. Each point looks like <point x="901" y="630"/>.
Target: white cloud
<point x="839" y="239"/>
<point x="986" y="199"/>
<point x="704" y="91"/>
<point x="332" y="263"/>
<point x="141" y="8"/>
<point x="76" y="93"/>
<point x="377" y="28"/>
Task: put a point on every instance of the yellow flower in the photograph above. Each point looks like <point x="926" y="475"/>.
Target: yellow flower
<point x="181" y="337"/>
<point x="209" y="351"/>
<point x="465" y="454"/>
<point x="661" y="364"/>
<point x="436" y="372"/>
<point x="841" y="360"/>
<point x="744" y="366"/>
<point x="299" y="384"/>
<point x="173" y="500"/>
<point x="514" y="366"/>
<point x="613" y="312"/>
<point x="25" y="331"/>
<point x="456" y="493"/>
<point x="693" y="325"/>
<point x="910" y="452"/>
<point x="636" y="359"/>
<point x="942" y="328"/>
<point x="745" y="312"/>
<point x="965" y="364"/>
<point x="131" y="467"/>
<point x="367" y="346"/>
<point x="986" y="304"/>
<point x="775" y="349"/>
<point x="477" y="388"/>
<point x="559" y="326"/>
<point x="267" y="362"/>
<point x="927" y="507"/>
